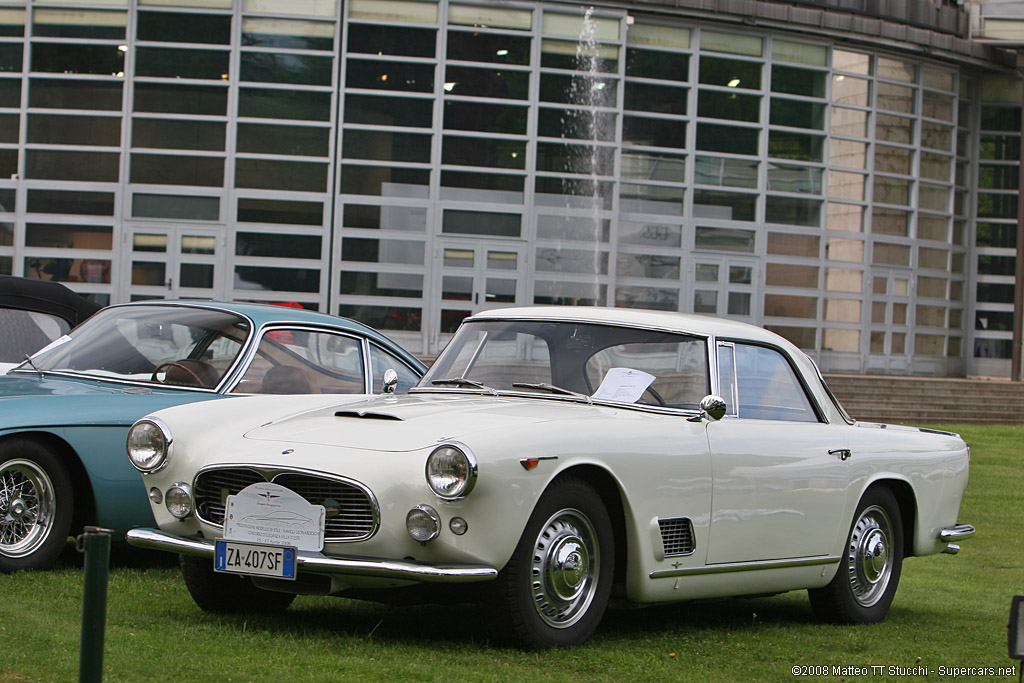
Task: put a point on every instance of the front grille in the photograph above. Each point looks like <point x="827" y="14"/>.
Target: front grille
<point x="677" y="536"/>
<point x="351" y="513"/>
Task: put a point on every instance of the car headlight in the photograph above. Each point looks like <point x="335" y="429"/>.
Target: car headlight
<point x="149" y="444"/>
<point x="451" y="471"/>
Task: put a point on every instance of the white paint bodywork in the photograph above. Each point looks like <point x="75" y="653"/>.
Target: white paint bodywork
<point x="770" y="505"/>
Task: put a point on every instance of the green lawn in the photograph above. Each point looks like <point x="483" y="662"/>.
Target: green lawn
<point x="949" y="612"/>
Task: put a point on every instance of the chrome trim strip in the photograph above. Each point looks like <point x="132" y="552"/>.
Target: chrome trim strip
<point x="364" y="348"/>
<point x="743" y="567"/>
<point x="957" y="532"/>
<point x="317" y="563"/>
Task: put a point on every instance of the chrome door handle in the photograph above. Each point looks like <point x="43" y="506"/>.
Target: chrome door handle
<point x="843" y="453"/>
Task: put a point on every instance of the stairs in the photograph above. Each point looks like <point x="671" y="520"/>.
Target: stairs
<point x="923" y="400"/>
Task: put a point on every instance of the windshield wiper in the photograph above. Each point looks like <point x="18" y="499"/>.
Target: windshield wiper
<point x="544" y="386"/>
<point x="28" y="359"/>
<point x="463" y="382"/>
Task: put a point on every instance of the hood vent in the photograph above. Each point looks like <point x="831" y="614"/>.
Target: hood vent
<point x="367" y="415"/>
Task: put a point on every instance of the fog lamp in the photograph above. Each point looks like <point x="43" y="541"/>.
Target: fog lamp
<point x="179" y="500"/>
<point x="156" y="496"/>
<point x="458" y="525"/>
<point x="423" y="523"/>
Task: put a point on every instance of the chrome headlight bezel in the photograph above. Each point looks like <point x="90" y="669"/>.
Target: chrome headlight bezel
<point x="161" y="444"/>
<point x="451" y="471"/>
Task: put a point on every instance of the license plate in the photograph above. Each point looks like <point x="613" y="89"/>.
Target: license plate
<point x="254" y="559"/>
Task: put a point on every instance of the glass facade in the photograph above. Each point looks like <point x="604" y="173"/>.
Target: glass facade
<point x="409" y="162"/>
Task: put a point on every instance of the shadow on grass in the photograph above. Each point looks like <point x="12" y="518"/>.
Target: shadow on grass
<point x="122" y="556"/>
<point x="473" y="626"/>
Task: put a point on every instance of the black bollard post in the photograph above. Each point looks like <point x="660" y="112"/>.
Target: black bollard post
<point x="95" y="543"/>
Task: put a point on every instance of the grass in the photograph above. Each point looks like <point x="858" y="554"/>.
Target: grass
<point x="949" y="612"/>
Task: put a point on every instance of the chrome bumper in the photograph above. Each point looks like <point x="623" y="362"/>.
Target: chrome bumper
<point x="317" y="563"/>
<point x="957" y="532"/>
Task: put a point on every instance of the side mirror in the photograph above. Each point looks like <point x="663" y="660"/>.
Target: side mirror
<point x="712" y="407"/>
<point x="390" y="381"/>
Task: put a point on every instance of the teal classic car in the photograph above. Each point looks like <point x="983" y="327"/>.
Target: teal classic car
<point x="65" y="412"/>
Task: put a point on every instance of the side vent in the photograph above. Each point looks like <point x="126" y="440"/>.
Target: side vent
<point x="677" y="536"/>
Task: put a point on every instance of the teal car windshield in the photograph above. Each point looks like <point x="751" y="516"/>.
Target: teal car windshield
<point x="144" y="343"/>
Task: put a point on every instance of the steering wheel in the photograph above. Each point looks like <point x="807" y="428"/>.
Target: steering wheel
<point x="657" y="397"/>
<point x="181" y="366"/>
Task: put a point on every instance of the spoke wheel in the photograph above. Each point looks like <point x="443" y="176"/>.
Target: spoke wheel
<point x="555" y="588"/>
<point x="869" y="571"/>
<point x="26" y="507"/>
<point x="35" y="506"/>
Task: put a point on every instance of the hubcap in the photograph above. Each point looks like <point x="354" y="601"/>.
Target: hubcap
<point x="564" y="570"/>
<point x="26" y="507"/>
<point x="869" y="560"/>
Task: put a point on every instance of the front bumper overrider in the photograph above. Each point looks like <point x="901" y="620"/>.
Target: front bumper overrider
<point x="318" y="563"/>
<point x="957" y="532"/>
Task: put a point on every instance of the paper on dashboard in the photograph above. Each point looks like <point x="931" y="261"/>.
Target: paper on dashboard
<point x="624" y="384"/>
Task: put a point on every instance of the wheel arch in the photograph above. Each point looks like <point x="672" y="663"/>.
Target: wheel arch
<point x="907" y="501"/>
<point x="608" y="490"/>
<point x="85" y="504"/>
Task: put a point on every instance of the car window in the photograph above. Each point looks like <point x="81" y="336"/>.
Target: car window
<point x="758" y="383"/>
<point x="25" y="332"/>
<point x="497" y="355"/>
<point x="607" y="362"/>
<point x="298" y="361"/>
<point x="679" y="369"/>
<point x="135" y="342"/>
<point x="381" y="360"/>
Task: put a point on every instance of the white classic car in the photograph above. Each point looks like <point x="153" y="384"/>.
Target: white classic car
<point x="550" y="457"/>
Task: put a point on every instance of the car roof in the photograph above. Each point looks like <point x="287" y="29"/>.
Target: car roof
<point x="664" y="320"/>
<point x="45" y="296"/>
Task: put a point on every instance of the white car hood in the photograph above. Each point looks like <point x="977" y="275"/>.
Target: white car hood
<point x="408" y="423"/>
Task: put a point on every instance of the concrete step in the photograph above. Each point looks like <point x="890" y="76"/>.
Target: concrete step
<point x="922" y="400"/>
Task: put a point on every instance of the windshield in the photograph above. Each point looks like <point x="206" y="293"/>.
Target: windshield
<point x="26" y="332"/>
<point x="135" y="342"/>
<point x="601" y="362"/>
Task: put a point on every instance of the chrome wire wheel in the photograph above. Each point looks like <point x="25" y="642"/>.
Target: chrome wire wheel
<point x="565" y="568"/>
<point x="27" y="507"/>
<point x="869" y="559"/>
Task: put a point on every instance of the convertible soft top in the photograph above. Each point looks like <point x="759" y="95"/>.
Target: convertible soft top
<point x="45" y="296"/>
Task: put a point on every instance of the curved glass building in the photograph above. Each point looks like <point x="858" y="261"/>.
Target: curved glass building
<point x="843" y="172"/>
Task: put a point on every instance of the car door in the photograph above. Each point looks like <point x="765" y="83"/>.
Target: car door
<point x="779" y="470"/>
